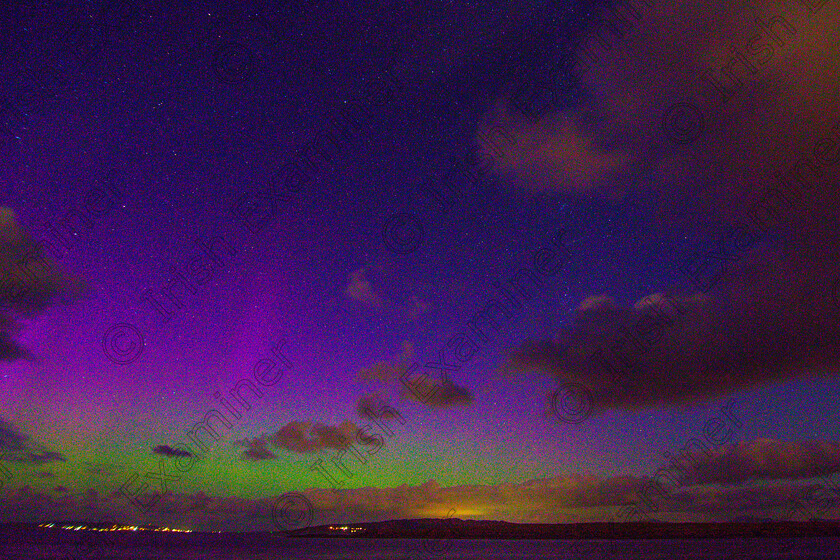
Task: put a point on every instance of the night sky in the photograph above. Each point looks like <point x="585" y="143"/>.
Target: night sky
<point x="527" y="261"/>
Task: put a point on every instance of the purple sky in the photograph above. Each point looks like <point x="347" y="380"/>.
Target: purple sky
<point x="548" y="254"/>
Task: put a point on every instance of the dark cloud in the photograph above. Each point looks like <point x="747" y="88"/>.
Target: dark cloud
<point x="258" y="454"/>
<point x="42" y="457"/>
<point x="373" y="406"/>
<point x="361" y="290"/>
<point x="785" y="502"/>
<point x="434" y="392"/>
<point x="19" y="448"/>
<point x="167" y="451"/>
<point x="256" y="449"/>
<point x="759" y="181"/>
<point x="437" y="393"/>
<point x="761" y="459"/>
<point x="681" y="348"/>
<point x="11" y="438"/>
<point x="30" y="282"/>
<point x="714" y="494"/>
<point x="102" y="469"/>
<point x="390" y="370"/>
<point x="546" y="500"/>
<point x="665" y="54"/>
<point x="304" y="437"/>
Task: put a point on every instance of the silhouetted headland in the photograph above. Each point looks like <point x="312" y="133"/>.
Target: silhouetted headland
<point x="461" y="529"/>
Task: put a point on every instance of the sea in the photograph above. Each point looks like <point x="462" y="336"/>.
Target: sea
<point x="59" y="545"/>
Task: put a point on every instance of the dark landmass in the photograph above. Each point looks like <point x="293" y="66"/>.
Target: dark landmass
<point x="88" y="544"/>
<point x="460" y="529"/>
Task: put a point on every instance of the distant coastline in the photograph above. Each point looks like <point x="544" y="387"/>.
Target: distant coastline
<point x="460" y="529"/>
<point x="481" y="530"/>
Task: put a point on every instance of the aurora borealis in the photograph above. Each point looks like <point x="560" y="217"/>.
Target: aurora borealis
<point x="511" y="259"/>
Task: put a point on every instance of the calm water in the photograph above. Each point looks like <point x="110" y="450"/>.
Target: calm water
<point x="66" y="547"/>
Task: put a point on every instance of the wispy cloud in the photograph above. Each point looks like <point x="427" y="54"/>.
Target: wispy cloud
<point x="302" y="437"/>
<point x="30" y="282"/>
<point x="168" y="451"/>
<point x="390" y="370"/>
<point x="19" y="448"/>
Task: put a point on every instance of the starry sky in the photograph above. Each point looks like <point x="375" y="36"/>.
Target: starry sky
<point x="527" y="261"/>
